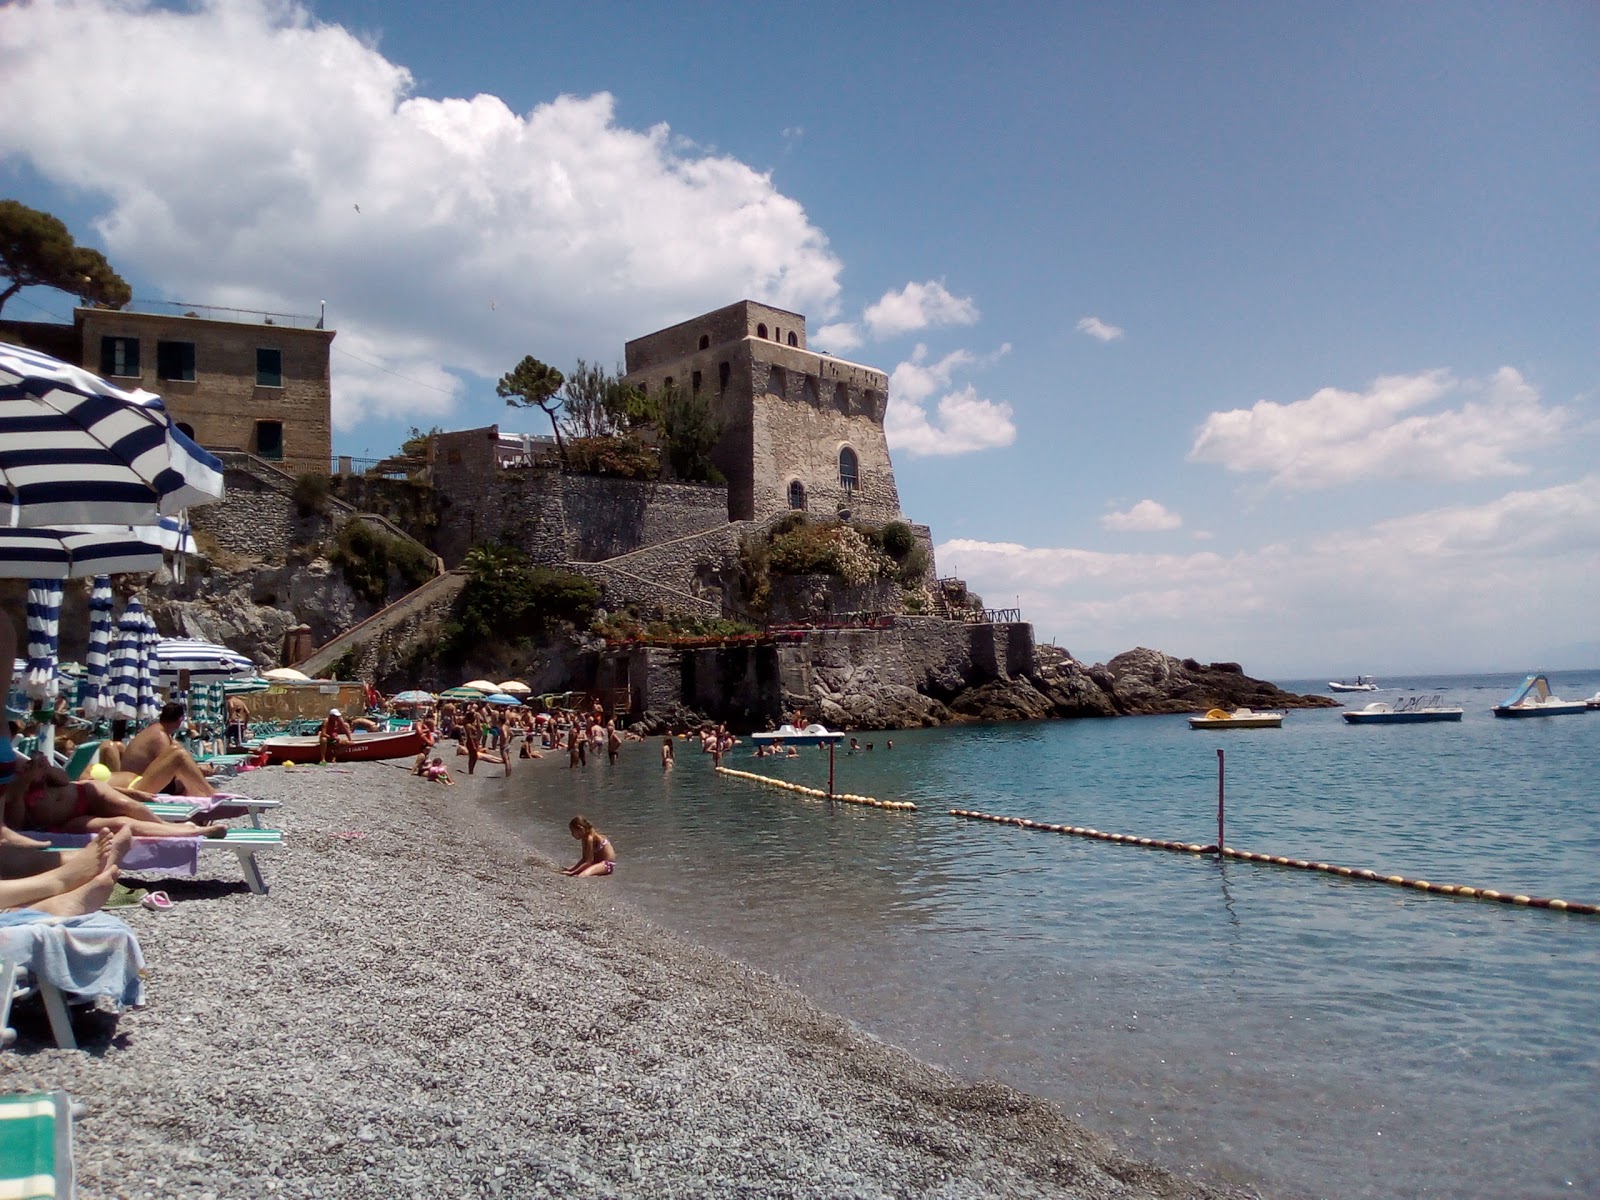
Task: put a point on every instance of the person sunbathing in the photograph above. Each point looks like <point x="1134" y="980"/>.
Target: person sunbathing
<point x="42" y="797"/>
<point x="154" y="762"/>
<point x="69" y="884"/>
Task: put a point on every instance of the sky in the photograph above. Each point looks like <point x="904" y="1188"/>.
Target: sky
<point x="1265" y="333"/>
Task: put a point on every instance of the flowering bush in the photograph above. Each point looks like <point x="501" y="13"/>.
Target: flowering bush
<point x="827" y="548"/>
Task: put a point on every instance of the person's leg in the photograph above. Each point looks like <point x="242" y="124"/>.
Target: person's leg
<point x="173" y="765"/>
<point x="80" y="901"/>
<point x="599" y="868"/>
<point x="154" y="828"/>
<point x="65" y="872"/>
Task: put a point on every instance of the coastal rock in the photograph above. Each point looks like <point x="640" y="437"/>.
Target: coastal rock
<point x="1145" y="681"/>
<point x="1003" y="700"/>
<point x="881" y="706"/>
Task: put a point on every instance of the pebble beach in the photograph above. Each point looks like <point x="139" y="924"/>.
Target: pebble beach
<point x="424" y="1006"/>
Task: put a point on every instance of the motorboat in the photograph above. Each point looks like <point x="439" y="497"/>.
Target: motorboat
<point x="363" y="747"/>
<point x="1406" y="711"/>
<point x="1593" y="701"/>
<point x="1363" y="683"/>
<point x="1239" y="718"/>
<point x="1533" y="699"/>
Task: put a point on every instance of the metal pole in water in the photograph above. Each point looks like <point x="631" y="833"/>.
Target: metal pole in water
<point x="830" y="770"/>
<point x="1221" y="841"/>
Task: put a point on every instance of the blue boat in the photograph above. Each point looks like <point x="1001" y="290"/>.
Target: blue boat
<point x="1533" y="699"/>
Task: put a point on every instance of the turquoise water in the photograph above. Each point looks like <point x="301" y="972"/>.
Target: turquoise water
<point x="1304" y="1034"/>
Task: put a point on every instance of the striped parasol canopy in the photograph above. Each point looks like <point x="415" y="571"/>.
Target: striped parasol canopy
<point x="96" y="694"/>
<point x="43" y="681"/>
<point x="74" y="448"/>
<point x="206" y="662"/>
<point x="462" y="693"/>
<point x="411" y="697"/>
<point x="78" y="553"/>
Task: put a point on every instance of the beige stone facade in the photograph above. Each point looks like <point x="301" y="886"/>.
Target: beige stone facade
<point x="234" y="385"/>
<point x="800" y="429"/>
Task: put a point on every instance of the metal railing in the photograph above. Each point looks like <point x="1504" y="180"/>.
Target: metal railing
<point x="217" y="312"/>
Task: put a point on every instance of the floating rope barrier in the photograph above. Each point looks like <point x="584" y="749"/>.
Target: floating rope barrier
<point x="1299" y="864"/>
<point x="818" y="793"/>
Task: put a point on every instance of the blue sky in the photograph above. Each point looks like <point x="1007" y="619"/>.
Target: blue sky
<point x="1256" y="332"/>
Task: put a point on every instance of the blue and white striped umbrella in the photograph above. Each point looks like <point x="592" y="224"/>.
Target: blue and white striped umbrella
<point x="127" y="662"/>
<point x="149" y="697"/>
<point x="205" y="661"/>
<point x="43" y="680"/>
<point x="79" y="553"/>
<point x="74" y="448"/>
<point x="96" y="695"/>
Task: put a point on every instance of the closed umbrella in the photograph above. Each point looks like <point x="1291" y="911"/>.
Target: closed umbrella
<point x="96" y="695"/>
<point x="75" y="448"/>
<point x="127" y="659"/>
<point x="42" y="682"/>
<point x="149" y="701"/>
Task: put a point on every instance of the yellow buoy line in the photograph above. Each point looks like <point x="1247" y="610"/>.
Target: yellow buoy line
<point x="818" y="793"/>
<point x="1418" y="885"/>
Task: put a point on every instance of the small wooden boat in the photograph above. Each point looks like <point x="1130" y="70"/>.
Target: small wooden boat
<point x="1239" y="718"/>
<point x="365" y="747"/>
<point x="1408" y="711"/>
<point x="1533" y="699"/>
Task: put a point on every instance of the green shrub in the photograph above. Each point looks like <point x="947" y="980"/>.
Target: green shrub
<point x="508" y="601"/>
<point x="619" y="457"/>
<point x="311" y="494"/>
<point x="366" y="555"/>
<point x="897" y="540"/>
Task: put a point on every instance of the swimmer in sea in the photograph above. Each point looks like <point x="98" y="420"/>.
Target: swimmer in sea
<point x="598" y="857"/>
<point x="666" y="753"/>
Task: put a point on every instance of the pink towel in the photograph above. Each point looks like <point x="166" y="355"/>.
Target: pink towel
<point x="175" y="854"/>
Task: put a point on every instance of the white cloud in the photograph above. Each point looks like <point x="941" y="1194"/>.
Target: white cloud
<point x="963" y="422"/>
<point x="1335" y="437"/>
<point x="1098" y="329"/>
<point x="839" y="338"/>
<point x="1147" y="516"/>
<point x="916" y="379"/>
<point x="1489" y="586"/>
<point x="233" y="143"/>
<point x="917" y="306"/>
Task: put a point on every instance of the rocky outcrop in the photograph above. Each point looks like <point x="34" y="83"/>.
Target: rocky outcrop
<point x="1148" y="681"/>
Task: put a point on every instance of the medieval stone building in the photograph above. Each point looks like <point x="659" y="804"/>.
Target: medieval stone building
<point x="801" y="430"/>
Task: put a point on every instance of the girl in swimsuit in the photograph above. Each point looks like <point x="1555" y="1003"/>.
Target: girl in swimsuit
<point x="41" y="797"/>
<point x="598" y="856"/>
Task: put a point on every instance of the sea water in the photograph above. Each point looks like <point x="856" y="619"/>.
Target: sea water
<point x="1305" y="1034"/>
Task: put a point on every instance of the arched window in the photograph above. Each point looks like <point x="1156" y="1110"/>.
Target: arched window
<point x="849" y="470"/>
<point x="797" y="495"/>
<point x="705" y="341"/>
<point x="761" y="331"/>
<point x="793" y="341"/>
<point x="186" y="429"/>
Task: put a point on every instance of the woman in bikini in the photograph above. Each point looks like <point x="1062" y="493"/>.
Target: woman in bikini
<point x="41" y="797"/>
<point x="598" y="857"/>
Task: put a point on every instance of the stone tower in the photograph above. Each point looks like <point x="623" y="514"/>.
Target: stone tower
<point x="800" y="430"/>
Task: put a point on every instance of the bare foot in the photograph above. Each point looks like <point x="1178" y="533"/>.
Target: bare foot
<point x="214" y="831"/>
<point x="79" y="866"/>
<point x="116" y="844"/>
<point x="10" y="837"/>
<point x="91" y="897"/>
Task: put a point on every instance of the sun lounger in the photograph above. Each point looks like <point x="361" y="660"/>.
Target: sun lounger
<point x="226" y="806"/>
<point x="183" y="853"/>
<point x="36" y="1145"/>
<point x="83" y="957"/>
<point x="16" y="983"/>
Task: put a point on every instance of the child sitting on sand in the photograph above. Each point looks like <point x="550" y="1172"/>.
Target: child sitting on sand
<point x="598" y="857"/>
<point x="437" y="772"/>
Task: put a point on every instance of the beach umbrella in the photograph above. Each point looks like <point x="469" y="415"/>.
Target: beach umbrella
<point x="514" y="688"/>
<point x="286" y="675"/>
<point x="207" y="706"/>
<point x="412" y="697"/>
<point x="206" y="662"/>
<point x="149" y="700"/>
<point x="461" y="693"/>
<point x="127" y="666"/>
<point x="482" y="685"/>
<point x="243" y="687"/>
<point x="44" y="636"/>
<point x="96" y="695"/>
<point x="501" y="698"/>
<point x="78" y="553"/>
<point x="74" y="448"/>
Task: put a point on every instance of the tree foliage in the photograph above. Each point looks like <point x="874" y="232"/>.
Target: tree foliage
<point x="507" y="600"/>
<point x="598" y="404"/>
<point x="533" y="384"/>
<point x="689" y="433"/>
<point x="37" y="250"/>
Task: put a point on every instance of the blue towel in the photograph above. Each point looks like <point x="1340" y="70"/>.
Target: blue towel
<point x="89" y="956"/>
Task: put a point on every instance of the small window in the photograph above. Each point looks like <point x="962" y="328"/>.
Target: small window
<point x="841" y="397"/>
<point x="809" y="388"/>
<point x="793" y="341"/>
<point x="119" y="356"/>
<point x="175" y="360"/>
<point x="694" y="382"/>
<point x="667" y="386"/>
<point x="269" y="440"/>
<point x="705" y="341"/>
<point x="849" y="470"/>
<point x="797" y="495"/>
<point x="269" y="367"/>
<point x="186" y="429"/>
<point x="761" y="331"/>
<point x="777" y="381"/>
<point x="724" y="372"/>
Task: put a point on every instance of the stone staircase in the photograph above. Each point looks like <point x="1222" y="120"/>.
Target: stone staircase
<point x="435" y="596"/>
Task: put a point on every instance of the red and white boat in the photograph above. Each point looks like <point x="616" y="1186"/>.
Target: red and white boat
<point x="365" y="747"/>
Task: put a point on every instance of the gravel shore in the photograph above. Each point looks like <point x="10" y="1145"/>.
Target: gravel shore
<point x="425" y="1007"/>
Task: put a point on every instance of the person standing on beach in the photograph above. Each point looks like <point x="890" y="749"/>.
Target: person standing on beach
<point x="469" y="739"/>
<point x="503" y="731"/>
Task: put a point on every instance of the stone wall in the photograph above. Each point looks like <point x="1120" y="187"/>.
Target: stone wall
<point x="555" y="517"/>
<point x="817" y="597"/>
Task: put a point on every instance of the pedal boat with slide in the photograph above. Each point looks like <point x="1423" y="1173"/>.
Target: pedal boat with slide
<point x="1533" y="699"/>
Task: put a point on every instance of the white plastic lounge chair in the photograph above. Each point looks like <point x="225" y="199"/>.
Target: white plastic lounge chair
<point x="36" y="1146"/>
<point x="245" y="843"/>
<point x="182" y="809"/>
<point x="18" y="984"/>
